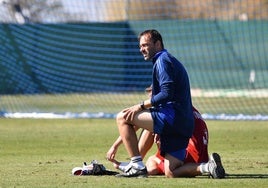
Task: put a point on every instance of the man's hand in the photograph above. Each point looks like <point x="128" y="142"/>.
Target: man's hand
<point x="111" y="153"/>
<point x="131" y="112"/>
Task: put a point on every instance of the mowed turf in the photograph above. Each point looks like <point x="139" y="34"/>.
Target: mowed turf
<point x="42" y="152"/>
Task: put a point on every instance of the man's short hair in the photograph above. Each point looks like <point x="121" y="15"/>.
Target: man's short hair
<point x="155" y="36"/>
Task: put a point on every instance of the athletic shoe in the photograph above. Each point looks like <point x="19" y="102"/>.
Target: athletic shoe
<point x="215" y="167"/>
<point x="134" y="172"/>
<point x="122" y="166"/>
<point x="87" y="169"/>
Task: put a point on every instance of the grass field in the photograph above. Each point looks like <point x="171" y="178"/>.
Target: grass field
<point x="42" y="152"/>
<point x="214" y="102"/>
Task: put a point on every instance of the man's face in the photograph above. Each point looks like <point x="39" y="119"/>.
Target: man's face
<point x="147" y="47"/>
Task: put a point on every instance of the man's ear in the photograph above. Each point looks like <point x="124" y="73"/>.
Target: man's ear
<point x="158" y="45"/>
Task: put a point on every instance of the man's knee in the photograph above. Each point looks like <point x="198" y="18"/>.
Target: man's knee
<point x="120" y="118"/>
<point x="151" y="166"/>
<point x="171" y="165"/>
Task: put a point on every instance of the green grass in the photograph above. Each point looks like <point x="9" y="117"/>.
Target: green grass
<point x="41" y="153"/>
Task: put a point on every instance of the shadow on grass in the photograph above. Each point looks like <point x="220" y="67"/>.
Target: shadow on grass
<point x="246" y="176"/>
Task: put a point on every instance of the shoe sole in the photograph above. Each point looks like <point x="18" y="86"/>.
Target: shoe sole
<point x="131" y="174"/>
<point x="219" y="171"/>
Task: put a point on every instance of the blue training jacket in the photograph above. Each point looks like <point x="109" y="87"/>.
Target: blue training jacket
<point x="170" y="84"/>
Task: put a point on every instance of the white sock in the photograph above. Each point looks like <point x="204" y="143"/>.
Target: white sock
<point x="204" y="168"/>
<point x="136" y="161"/>
<point x="122" y="166"/>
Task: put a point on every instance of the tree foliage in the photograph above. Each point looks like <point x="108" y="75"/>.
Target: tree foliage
<point x="23" y="11"/>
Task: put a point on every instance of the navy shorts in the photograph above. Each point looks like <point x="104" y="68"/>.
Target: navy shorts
<point x="172" y="141"/>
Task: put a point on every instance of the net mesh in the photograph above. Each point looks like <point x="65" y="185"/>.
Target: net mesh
<point x="82" y="57"/>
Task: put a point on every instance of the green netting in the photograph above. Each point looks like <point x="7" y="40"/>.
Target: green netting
<point x="69" y="61"/>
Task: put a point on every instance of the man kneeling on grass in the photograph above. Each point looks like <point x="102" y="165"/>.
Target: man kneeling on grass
<point x="168" y="113"/>
<point x="196" y="161"/>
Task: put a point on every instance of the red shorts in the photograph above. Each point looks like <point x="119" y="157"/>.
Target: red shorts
<point x="197" y="149"/>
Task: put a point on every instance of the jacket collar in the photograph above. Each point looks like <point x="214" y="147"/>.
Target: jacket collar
<point x="157" y="55"/>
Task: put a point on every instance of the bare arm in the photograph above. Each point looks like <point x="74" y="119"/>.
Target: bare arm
<point x="113" y="149"/>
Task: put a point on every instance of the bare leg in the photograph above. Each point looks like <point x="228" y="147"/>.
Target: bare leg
<point x="171" y="164"/>
<point x="126" y="121"/>
<point x="187" y="170"/>
<point x="128" y="135"/>
<point x="152" y="165"/>
<point x="145" y="142"/>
